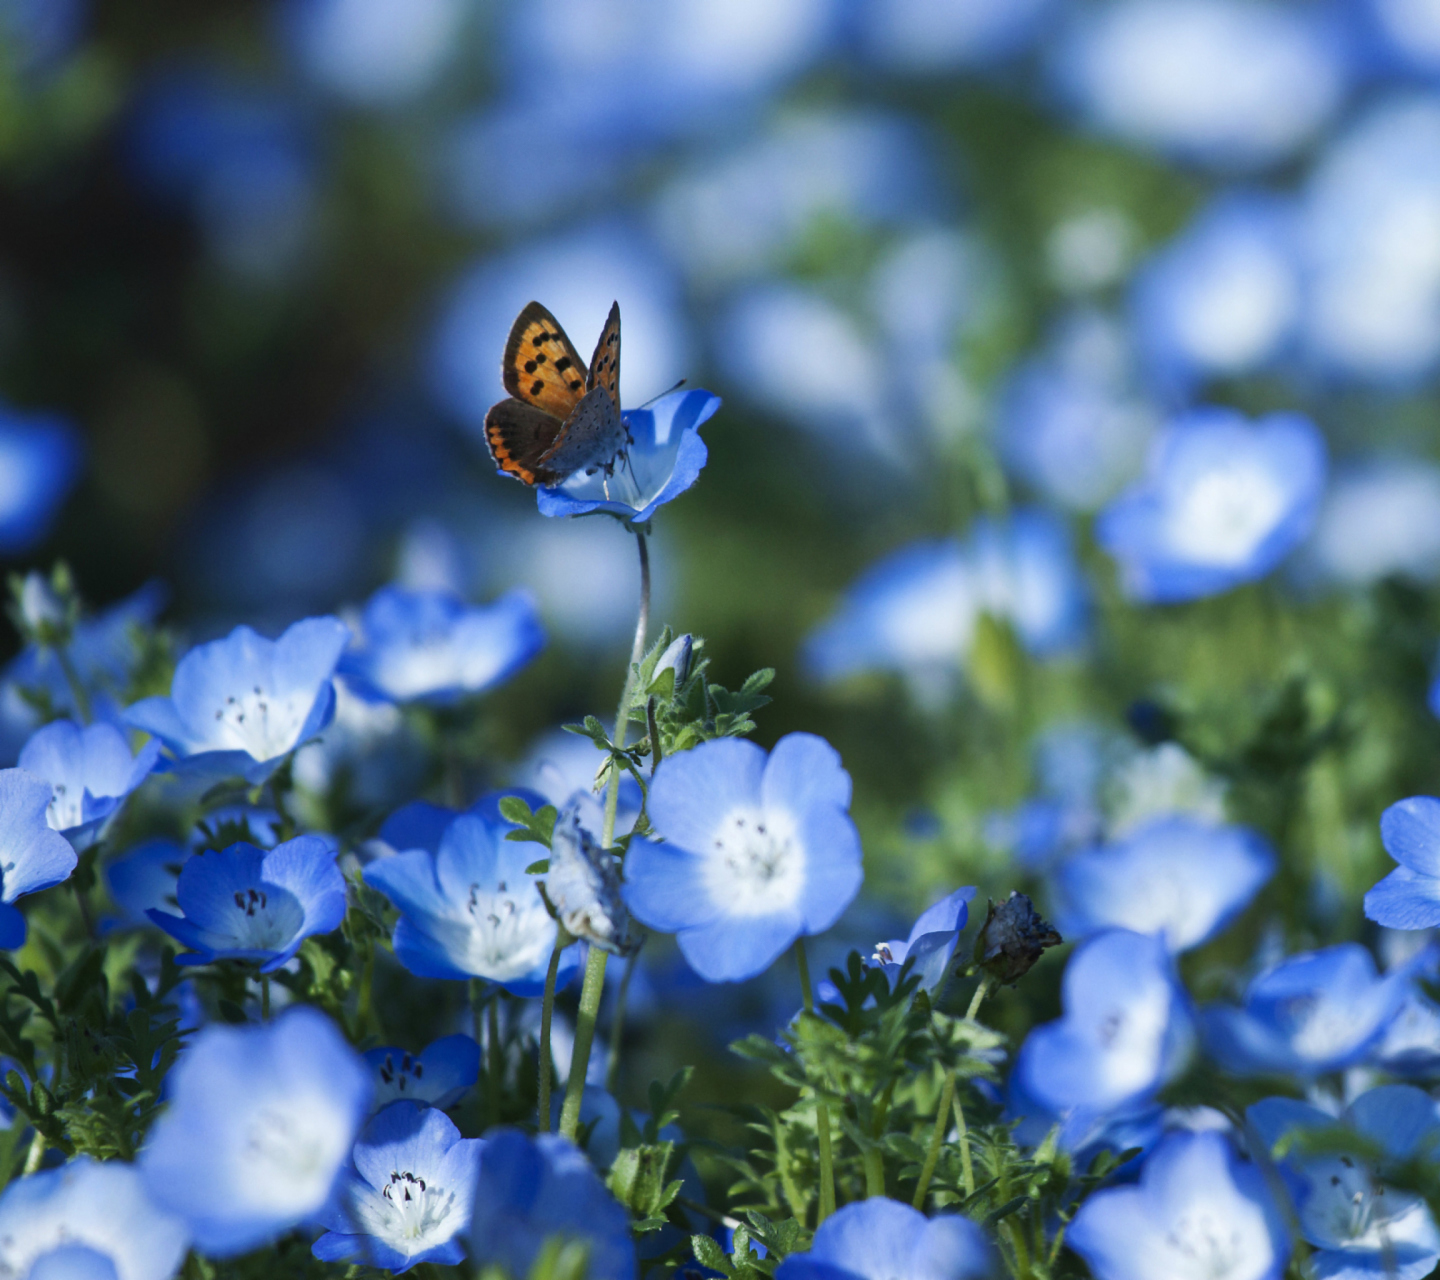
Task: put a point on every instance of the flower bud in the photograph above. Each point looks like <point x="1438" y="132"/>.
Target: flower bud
<point x="1012" y="939"/>
<point x="582" y="888"/>
<point x="676" y="658"/>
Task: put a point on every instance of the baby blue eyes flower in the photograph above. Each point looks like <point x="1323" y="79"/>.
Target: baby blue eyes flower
<point x="47" y="1220"/>
<point x="1361" y="1229"/>
<point x="241" y="704"/>
<point x="931" y="944"/>
<point x="1312" y="1013"/>
<point x="1409" y="897"/>
<point x="664" y="460"/>
<point x="90" y="771"/>
<point x="244" y="903"/>
<point x="259" y="1129"/>
<point x="409" y="1195"/>
<point x="437" y="1077"/>
<point x="32" y="855"/>
<point x="430" y="646"/>
<point x="1177" y="877"/>
<point x="470" y="909"/>
<point x="1223" y="502"/>
<point x="878" y="1238"/>
<point x="1198" y="1210"/>
<point x="757" y="852"/>
<point x="532" y="1190"/>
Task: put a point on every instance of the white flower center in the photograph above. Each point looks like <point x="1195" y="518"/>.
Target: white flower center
<point x="1349" y="1207"/>
<point x="290" y="1155"/>
<point x="416" y="1210"/>
<point x="755" y="863"/>
<point x="1225" y="515"/>
<point x="401" y="1076"/>
<point x="1318" y="1027"/>
<point x="1204" y="1247"/>
<point x="260" y="723"/>
<point x="507" y="933"/>
<point x="263" y="917"/>
<point x="66" y="808"/>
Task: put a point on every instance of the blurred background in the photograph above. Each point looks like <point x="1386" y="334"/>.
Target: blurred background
<point x="941" y="258"/>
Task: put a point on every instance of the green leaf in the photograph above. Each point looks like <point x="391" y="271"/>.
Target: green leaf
<point x="638" y="1179"/>
<point x="711" y="1255"/>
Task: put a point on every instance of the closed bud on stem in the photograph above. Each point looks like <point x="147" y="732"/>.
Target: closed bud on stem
<point x="676" y="658"/>
<point x="1012" y="939"/>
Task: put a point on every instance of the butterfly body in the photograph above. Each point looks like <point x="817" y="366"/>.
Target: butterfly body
<point x="562" y="415"/>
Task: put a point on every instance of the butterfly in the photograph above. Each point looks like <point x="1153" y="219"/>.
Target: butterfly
<point x="561" y="417"/>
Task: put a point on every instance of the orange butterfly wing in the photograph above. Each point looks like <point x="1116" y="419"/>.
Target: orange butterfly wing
<point x="605" y="364"/>
<point x="541" y="366"/>
<point x="519" y="435"/>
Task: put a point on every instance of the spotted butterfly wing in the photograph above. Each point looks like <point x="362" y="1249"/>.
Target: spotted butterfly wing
<point x="519" y="436"/>
<point x="605" y="363"/>
<point x="541" y="366"/>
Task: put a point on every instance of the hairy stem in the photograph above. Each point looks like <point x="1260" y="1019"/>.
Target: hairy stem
<point x="937" y="1138"/>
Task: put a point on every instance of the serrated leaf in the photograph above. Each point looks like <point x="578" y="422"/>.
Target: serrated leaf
<point x="709" y="1254"/>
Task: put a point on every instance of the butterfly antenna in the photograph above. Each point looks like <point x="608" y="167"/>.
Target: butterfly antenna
<point x="663" y="394"/>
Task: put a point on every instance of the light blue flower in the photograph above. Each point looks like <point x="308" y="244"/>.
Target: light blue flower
<point x="1360" y="1228"/>
<point x="438" y="1076"/>
<point x="1225" y="297"/>
<point x="1198" y="1209"/>
<point x="102" y="1209"/>
<point x="1312" y="1013"/>
<point x="930" y="36"/>
<point x="878" y="1238"/>
<point x="32" y="855"/>
<point x="1381" y="518"/>
<point x="664" y="459"/>
<point x="242" y="704"/>
<point x="409" y="1197"/>
<point x="430" y="646"/>
<point x="244" y="903"/>
<point x="532" y="1190"/>
<point x="1177" y="877"/>
<point x="932" y="941"/>
<point x="259" y="1130"/>
<point x="1409" y="897"/>
<point x="90" y="771"/>
<point x="468" y="909"/>
<point x="1410" y="1046"/>
<point x="1126" y="1031"/>
<point x="145" y="877"/>
<point x="1222" y="503"/>
<point x="758" y="852"/>
<point x="39" y="464"/>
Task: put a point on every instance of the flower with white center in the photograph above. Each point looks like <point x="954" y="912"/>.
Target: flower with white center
<point x="430" y="646"/>
<point x="90" y="772"/>
<point x="242" y="704"/>
<point x="1310" y="1014"/>
<point x="469" y="909"/>
<point x="258" y="1131"/>
<point x="100" y="1208"/>
<point x="1360" y="1227"/>
<point x="878" y="1239"/>
<point x="1176" y="877"/>
<point x="32" y="855"/>
<point x="244" y="903"/>
<point x="1222" y="503"/>
<point x="757" y="852"/>
<point x="931" y="944"/>
<point x="410" y="1193"/>
<point x="1126" y="1030"/>
<point x="438" y="1076"/>
<point x="1199" y="1212"/>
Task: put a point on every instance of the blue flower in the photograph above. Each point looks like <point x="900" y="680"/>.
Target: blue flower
<point x="1360" y="1228"/>
<point x="1177" y="877"/>
<point x="242" y="704"/>
<point x="39" y="464"/>
<point x="102" y="1209"/>
<point x="1198" y="1209"/>
<point x="438" y="1076"/>
<point x="1223" y="502"/>
<point x="1411" y="1043"/>
<point x="145" y="877"/>
<point x="32" y="855"/>
<point x="1381" y="518"/>
<point x="410" y="1193"/>
<point x="90" y="771"/>
<point x="758" y="852"/>
<point x="935" y="36"/>
<point x="259" y="1130"/>
<point x="664" y="460"/>
<point x="878" y="1238"/>
<point x="532" y="1190"/>
<point x="469" y="909"/>
<point x="244" y="903"/>
<point x="1409" y="897"/>
<point x="931" y="944"/>
<point x="1126" y="1031"/>
<point x="1309" y="1014"/>
<point x="430" y="646"/>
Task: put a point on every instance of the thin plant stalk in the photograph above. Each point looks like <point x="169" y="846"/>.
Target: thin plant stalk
<point x="617" y="1024"/>
<point x="937" y="1139"/>
<point x="264" y="997"/>
<point x="497" y="1057"/>
<point x="547" y="1008"/>
<point x="822" y="1111"/>
<point x="594" y="985"/>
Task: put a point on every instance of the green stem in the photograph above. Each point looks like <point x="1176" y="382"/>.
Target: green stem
<point x="983" y="990"/>
<point x="967" y="1170"/>
<point x="264" y="997"/>
<point x="547" y="1009"/>
<point x="617" y="1026"/>
<point x="822" y="1112"/>
<point x="76" y="685"/>
<point x="477" y="1006"/>
<point x="35" y="1154"/>
<point x="937" y="1138"/>
<point x="497" y="1059"/>
<point x="594" y="986"/>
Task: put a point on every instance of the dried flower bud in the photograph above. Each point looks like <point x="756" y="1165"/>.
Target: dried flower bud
<point x="583" y="888"/>
<point x="1012" y="939"/>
